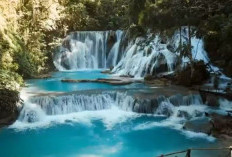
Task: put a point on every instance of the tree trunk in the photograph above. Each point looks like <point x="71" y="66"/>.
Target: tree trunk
<point x="180" y="49"/>
<point x="180" y="37"/>
<point x="190" y="51"/>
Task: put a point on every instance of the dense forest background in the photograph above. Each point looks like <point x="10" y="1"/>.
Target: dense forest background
<point x="30" y="30"/>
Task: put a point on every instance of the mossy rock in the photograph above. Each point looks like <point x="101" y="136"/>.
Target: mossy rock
<point x="199" y="75"/>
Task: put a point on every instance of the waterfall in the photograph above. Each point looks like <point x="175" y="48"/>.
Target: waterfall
<point x="146" y="57"/>
<point x="152" y="54"/>
<point x="82" y="50"/>
<point x="89" y="50"/>
<point x="113" y="55"/>
<point x="40" y="107"/>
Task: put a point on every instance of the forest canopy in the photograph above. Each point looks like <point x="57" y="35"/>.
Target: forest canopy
<point x="30" y="30"/>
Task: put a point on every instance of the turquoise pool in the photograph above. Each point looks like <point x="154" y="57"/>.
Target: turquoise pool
<point x="104" y="133"/>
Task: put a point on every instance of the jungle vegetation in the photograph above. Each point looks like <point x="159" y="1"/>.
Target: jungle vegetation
<point x="30" y="30"/>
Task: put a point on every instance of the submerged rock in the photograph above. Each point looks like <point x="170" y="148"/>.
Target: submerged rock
<point x="101" y="80"/>
<point x="106" y="72"/>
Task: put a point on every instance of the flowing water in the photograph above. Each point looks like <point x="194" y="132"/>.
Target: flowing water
<point x="99" y="123"/>
<point x="89" y="119"/>
<point x="152" y="54"/>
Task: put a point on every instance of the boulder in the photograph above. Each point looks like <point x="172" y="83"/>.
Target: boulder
<point x="221" y="124"/>
<point x="145" y="106"/>
<point x="8" y="106"/>
<point x="199" y="74"/>
<point x="203" y="125"/>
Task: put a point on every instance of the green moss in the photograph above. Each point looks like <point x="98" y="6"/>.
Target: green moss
<point x="10" y="80"/>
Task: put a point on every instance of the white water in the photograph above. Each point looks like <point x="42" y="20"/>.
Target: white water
<point x="88" y="50"/>
<point x="110" y="107"/>
<point x="140" y="60"/>
<point x="150" y="55"/>
<point x="114" y="52"/>
<point x="82" y="50"/>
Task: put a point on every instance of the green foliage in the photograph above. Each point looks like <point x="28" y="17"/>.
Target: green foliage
<point x="27" y="68"/>
<point x="95" y="15"/>
<point x="26" y="47"/>
<point x="29" y="35"/>
<point x="218" y="41"/>
<point x="6" y="59"/>
<point x="211" y="18"/>
<point x="10" y="80"/>
<point x="134" y="10"/>
<point x="136" y="31"/>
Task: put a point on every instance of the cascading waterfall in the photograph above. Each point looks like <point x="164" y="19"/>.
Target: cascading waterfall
<point x="104" y="49"/>
<point x="114" y="52"/>
<point x="38" y="108"/>
<point x="82" y="50"/>
<point x="88" y="50"/>
<point x="91" y="50"/>
<point x="146" y="57"/>
<point x="154" y="55"/>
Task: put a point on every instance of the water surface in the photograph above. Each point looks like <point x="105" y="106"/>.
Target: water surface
<point x="95" y="140"/>
<point x="106" y="133"/>
<point x="54" y="83"/>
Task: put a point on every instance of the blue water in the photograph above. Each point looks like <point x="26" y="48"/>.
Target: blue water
<point x="54" y="83"/>
<point x="80" y="140"/>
